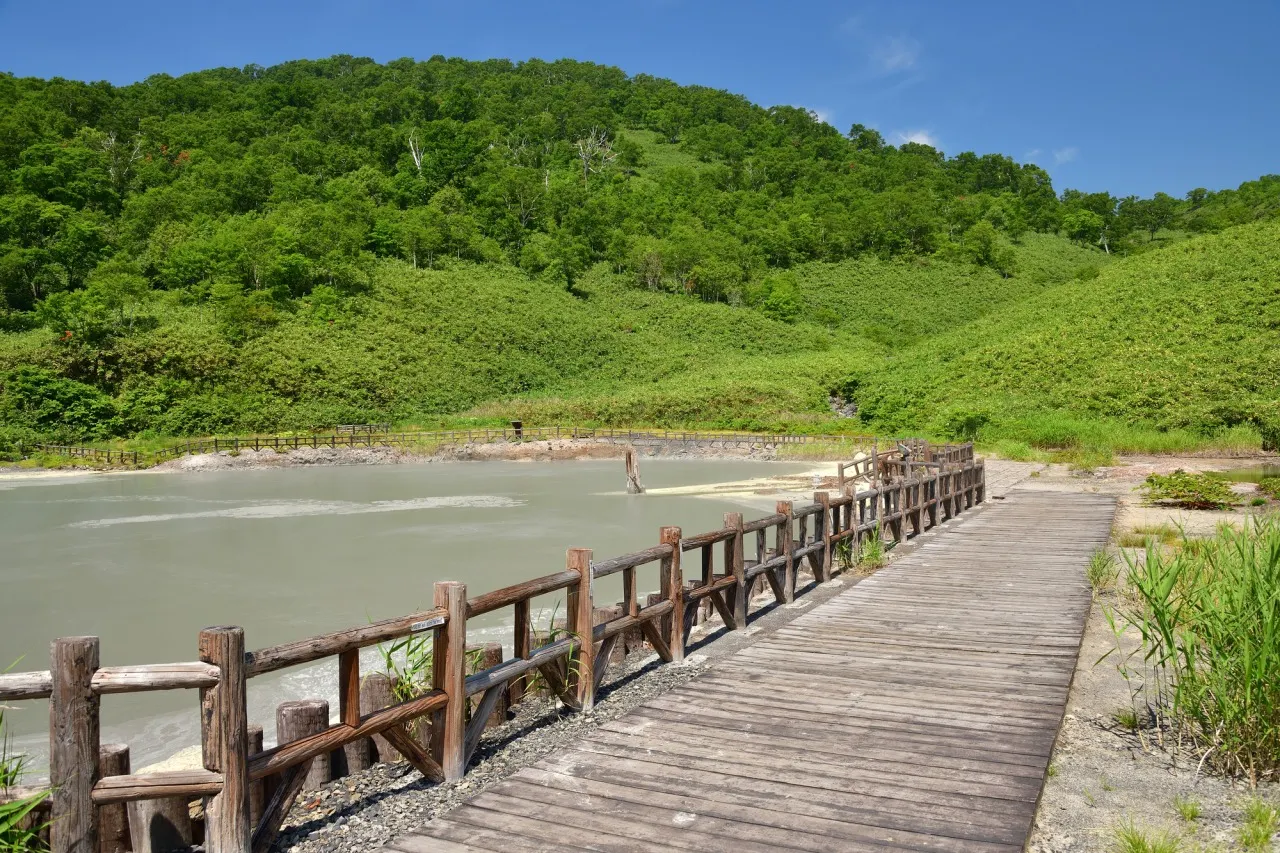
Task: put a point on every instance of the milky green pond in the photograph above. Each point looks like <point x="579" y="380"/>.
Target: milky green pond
<point x="146" y="560"/>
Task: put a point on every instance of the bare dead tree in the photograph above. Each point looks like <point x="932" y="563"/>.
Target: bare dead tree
<point x="415" y="151"/>
<point x="120" y="158"/>
<point x="595" y="151"/>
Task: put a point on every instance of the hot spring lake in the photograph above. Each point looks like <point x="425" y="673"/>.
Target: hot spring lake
<point x="145" y="560"/>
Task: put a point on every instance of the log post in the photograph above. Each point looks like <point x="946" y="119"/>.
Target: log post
<point x="931" y="496"/>
<point x="522" y="646"/>
<point x="735" y="565"/>
<point x="822" y="530"/>
<point x="605" y="615"/>
<point x="73" y="745"/>
<point x="783" y="540"/>
<point x="162" y="826"/>
<point x="113" y="820"/>
<point x="449" y="673"/>
<point x="491" y="656"/>
<point x="257" y="791"/>
<point x="581" y="617"/>
<point x="674" y="582"/>
<point x="303" y="718"/>
<point x="224" y="733"/>
<point x="376" y="694"/>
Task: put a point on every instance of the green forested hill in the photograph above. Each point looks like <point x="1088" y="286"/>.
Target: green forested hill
<point x="1184" y="339"/>
<point x="342" y="240"/>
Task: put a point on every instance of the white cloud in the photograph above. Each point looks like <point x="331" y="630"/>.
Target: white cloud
<point x="895" y="54"/>
<point x="821" y="115"/>
<point x="852" y="25"/>
<point x="1032" y="154"/>
<point x="1065" y="155"/>
<point x="923" y="137"/>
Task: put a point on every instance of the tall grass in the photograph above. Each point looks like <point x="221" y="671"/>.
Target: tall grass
<point x="871" y="553"/>
<point x="1209" y="617"/>
<point x="17" y="834"/>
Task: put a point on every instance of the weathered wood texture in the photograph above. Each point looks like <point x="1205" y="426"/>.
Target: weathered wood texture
<point x="113" y="821"/>
<point x="73" y="745"/>
<point x="915" y="711"/>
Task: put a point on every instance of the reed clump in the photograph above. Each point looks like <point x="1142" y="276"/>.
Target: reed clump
<point x="871" y="553"/>
<point x="1209" y="618"/>
<point x="18" y="832"/>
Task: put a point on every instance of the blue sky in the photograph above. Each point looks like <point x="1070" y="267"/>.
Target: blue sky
<point x="1131" y="97"/>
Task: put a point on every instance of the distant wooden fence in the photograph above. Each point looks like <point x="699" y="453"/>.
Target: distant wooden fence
<point x="893" y="491"/>
<point x="379" y="435"/>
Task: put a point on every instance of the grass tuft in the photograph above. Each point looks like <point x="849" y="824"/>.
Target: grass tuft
<point x="1128" y="719"/>
<point x="1260" y="821"/>
<point x="1149" y="535"/>
<point x="1188" y="808"/>
<point x="871" y="553"/>
<point x="1103" y="571"/>
<point x="1132" y="838"/>
<point x="1085" y="458"/>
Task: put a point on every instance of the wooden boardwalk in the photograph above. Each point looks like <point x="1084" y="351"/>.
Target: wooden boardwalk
<point x="915" y="711"/>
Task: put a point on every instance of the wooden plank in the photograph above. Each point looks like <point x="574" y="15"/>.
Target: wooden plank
<point x="480" y="718"/>
<point x="404" y="743"/>
<point x="645" y="772"/>
<point x="25" y="685"/>
<point x="335" y="643"/>
<point x="726" y="803"/>
<point x="149" y="786"/>
<point x="277" y="807"/>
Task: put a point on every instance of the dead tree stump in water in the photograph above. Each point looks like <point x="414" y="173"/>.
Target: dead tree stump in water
<point x="633" y="474"/>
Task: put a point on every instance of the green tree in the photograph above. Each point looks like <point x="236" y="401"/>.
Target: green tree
<point x="1083" y="226"/>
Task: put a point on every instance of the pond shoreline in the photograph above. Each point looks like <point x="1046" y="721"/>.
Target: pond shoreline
<point x="555" y="450"/>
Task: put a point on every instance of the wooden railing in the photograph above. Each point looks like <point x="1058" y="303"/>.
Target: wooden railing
<point x="93" y="454"/>
<point x="378" y="435"/>
<point x="248" y="794"/>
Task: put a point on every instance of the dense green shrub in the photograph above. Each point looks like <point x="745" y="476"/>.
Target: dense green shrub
<point x="1182" y="342"/>
<point x="63" y="409"/>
